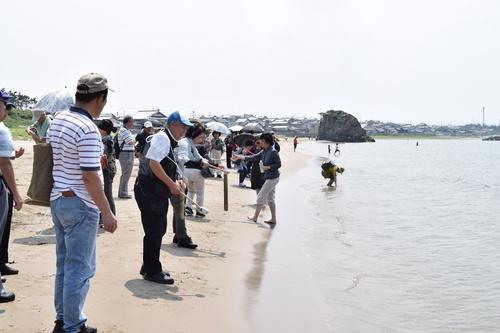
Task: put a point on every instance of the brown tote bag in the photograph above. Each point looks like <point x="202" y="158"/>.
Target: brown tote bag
<point x="41" y="179"/>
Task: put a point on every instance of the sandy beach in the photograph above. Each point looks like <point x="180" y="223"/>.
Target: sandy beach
<point x="211" y="282"/>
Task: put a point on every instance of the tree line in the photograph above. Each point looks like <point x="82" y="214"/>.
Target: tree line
<point x="21" y="101"/>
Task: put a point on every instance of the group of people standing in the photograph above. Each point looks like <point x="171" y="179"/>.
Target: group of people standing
<point x="268" y="162"/>
<point x="81" y="201"/>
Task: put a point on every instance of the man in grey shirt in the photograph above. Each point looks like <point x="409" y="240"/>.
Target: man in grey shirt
<point x="126" y="156"/>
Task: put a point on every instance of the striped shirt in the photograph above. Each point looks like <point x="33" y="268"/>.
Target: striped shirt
<point x="6" y="145"/>
<point x="76" y="147"/>
<point x="124" y="135"/>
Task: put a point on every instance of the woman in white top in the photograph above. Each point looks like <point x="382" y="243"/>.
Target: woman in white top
<point x="191" y="163"/>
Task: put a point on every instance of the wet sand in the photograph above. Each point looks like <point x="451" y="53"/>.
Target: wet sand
<point x="213" y="284"/>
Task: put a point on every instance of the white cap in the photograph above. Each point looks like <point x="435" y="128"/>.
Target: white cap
<point x="37" y="113"/>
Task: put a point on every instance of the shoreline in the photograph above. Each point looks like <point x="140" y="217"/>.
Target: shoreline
<point x="210" y="293"/>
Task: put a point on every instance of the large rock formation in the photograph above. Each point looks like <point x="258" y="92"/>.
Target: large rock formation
<point x="341" y="126"/>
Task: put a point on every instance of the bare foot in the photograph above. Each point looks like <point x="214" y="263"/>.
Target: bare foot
<point x="270" y="222"/>
<point x="251" y="218"/>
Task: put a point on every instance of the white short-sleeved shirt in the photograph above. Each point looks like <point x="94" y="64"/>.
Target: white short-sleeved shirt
<point x="159" y="147"/>
<point x="76" y="147"/>
<point x="124" y="135"/>
<point x="6" y="144"/>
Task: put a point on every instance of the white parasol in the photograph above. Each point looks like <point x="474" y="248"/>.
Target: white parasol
<point x="55" y="101"/>
<point x="218" y="127"/>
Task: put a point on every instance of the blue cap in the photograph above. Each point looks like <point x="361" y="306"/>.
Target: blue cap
<point x="4" y="95"/>
<point x="179" y="117"/>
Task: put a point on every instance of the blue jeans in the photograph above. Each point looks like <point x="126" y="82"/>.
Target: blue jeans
<point x="243" y="174"/>
<point x="76" y="226"/>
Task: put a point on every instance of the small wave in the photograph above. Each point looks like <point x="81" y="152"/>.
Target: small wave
<point x="355" y="282"/>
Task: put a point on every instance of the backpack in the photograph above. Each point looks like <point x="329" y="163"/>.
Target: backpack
<point x="116" y="147"/>
<point x="327" y="165"/>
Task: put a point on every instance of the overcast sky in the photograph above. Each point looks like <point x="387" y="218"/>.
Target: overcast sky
<point x="431" y="61"/>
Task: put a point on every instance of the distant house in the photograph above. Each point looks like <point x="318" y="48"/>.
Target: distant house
<point x="114" y="119"/>
<point x="280" y="129"/>
<point x="157" y="117"/>
<point x="241" y="121"/>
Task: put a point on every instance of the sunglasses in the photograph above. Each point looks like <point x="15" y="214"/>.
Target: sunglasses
<point x="4" y="101"/>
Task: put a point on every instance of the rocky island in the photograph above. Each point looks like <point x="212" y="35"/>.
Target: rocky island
<point x="340" y="126"/>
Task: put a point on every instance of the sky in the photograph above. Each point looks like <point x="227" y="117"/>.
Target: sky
<point x="426" y="61"/>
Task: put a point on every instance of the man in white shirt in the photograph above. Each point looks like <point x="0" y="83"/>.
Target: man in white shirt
<point x="155" y="184"/>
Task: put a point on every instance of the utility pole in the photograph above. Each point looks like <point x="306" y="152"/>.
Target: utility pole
<point x="483" y="116"/>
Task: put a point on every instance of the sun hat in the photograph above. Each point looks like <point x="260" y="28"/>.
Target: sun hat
<point x="105" y="125"/>
<point x="92" y="83"/>
<point x="148" y="124"/>
<point x="37" y="113"/>
<point x="179" y="117"/>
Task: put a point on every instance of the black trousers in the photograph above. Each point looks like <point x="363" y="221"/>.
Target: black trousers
<point x="229" y="153"/>
<point x="154" y="222"/>
<point x="4" y="242"/>
<point x="108" y="190"/>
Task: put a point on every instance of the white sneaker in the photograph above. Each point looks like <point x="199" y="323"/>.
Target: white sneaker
<point x="242" y="185"/>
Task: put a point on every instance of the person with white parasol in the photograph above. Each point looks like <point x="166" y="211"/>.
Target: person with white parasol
<point x="216" y="150"/>
<point x="39" y="129"/>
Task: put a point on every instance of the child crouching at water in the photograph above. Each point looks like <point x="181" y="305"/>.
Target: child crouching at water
<point x="331" y="170"/>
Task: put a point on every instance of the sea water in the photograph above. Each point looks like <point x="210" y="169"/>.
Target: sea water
<point x="409" y="241"/>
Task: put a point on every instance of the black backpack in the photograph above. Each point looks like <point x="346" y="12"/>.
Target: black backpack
<point x="327" y="165"/>
<point x="117" y="148"/>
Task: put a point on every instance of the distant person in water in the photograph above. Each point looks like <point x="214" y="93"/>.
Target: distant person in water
<point x="331" y="170"/>
<point x="295" y="143"/>
<point x="329" y="150"/>
<point x="337" y="150"/>
<point x="417" y="143"/>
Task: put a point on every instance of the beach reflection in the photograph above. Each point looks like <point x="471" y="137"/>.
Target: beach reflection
<point x="254" y="276"/>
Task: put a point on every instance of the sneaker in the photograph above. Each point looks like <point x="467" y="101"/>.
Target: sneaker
<point x="219" y="176"/>
<point x="87" y="329"/>
<point x="6" y="297"/>
<point x="188" y="211"/>
<point x="200" y="215"/>
<point x="242" y="185"/>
